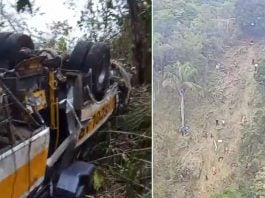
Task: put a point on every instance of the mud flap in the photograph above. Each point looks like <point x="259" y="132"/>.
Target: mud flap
<point x="71" y="180"/>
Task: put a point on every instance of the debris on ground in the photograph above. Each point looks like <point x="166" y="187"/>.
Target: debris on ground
<point x="214" y="170"/>
<point x="227" y="151"/>
<point x="184" y="130"/>
<point x="243" y="120"/>
<point x="215" y="145"/>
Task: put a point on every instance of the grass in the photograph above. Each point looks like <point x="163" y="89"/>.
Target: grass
<point x="123" y="152"/>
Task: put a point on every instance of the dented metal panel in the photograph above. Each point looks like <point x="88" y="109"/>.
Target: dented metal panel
<point x="23" y="166"/>
<point x="96" y="115"/>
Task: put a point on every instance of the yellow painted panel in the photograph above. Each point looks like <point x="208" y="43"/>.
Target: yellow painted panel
<point x="96" y="118"/>
<point x="20" y="178"/>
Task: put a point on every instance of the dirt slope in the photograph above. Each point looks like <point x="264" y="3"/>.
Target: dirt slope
<point x="207" y="161"/>
<point x="220" y="163"/>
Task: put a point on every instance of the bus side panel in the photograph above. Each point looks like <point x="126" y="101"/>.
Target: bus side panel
<point x="23" y="167"/>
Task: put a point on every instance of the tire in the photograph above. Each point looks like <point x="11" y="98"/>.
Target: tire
<point x="78" y="56"/>
<point x="11" y="46"/>
<point x="98" y="59"/>
<point x="3" y="37"/>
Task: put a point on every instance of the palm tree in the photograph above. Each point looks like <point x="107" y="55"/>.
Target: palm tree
<point x="181" y="77"/>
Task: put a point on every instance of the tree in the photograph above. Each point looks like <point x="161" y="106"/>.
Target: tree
<point x="107" y="21"/>
<point x="103" y="21"/>
<point x="60" y="35"/>
<point x="197" y="32"/>
<point x="181" y="77"/>
<point x="260" y="74"/>
<point x="251" y="17"/>
<point x="163" y="53"/>
<point x="140" y="18"/>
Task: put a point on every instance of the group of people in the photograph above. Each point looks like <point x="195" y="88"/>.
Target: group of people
<point x="217" y="123"/>
<point x="184" y="130"/>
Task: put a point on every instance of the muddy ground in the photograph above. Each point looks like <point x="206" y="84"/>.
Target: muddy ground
<point x="211" y="159"/>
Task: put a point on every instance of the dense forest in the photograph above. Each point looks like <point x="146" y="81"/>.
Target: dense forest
<point x="192" y="32"/>
<point x="209" y="98"/>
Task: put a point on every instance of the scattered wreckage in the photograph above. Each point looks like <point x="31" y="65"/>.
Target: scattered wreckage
<point x="50" y="105"/>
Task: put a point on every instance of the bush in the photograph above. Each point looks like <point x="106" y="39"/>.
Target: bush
<point x="251" y="17"/>
<point x="260" y="75"/>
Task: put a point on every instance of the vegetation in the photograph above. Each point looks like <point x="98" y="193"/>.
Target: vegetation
<point x="110" y="21"/>
<point x="250" y="16"/>
<point x="229" y="193"/>
<point x="260" y="75"/>
<point x="124" y="151"/>
<point x="211" y="38"/>
<point x="181" y="77"/>
<point x="191" y="31"/>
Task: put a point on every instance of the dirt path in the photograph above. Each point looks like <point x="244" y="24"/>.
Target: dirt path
<point x="220" y="153"/>
<point x="198" y="165"/>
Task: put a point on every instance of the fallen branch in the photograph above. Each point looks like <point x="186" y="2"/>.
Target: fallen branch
<point x="215" y="149"/>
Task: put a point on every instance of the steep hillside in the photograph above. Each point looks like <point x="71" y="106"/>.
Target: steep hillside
<point x="214" y="160"/>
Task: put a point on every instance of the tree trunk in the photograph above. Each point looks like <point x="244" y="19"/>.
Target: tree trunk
<point x="141" y="30"/>
<point x="182" y="110"/>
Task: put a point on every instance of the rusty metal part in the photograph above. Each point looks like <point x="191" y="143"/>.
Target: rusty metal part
<point x="10" y="134"/>
<point x="30" y="67"/>
<point x="126" y="78"/>
<point x="54" y="106"/>
<point x="18" y="103"/>
<point x="37" y="99"/>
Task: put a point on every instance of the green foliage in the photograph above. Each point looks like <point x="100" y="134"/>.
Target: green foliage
<point x="192" y="31"/>
<point x="126" y="24"/>
<point x="229" y="193"/>
<point x="260" y="75"/>
<point x="138" y="117"/>
<point x="103" y="21"/>
<point x="127" y="142"/>
<point x="134" y="166"/>
<point x="62" y="45"/>
<point x="60" y="40"/>
<point x="181" y="76"/>
<point x="251" y="16"/>
<point x="252" y="153"/>
<point x="121" y="45"/>
<point x="98" y="179"/>
<point x="23" y="4"/>
<point x="243" y="190"/>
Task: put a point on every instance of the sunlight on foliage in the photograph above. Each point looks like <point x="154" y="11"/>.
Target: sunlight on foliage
<point x="98" y="179"/>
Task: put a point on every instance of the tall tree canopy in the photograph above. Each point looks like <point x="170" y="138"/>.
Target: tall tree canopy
<point x="251" y="16"/>
<point x="192" y="31"/>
